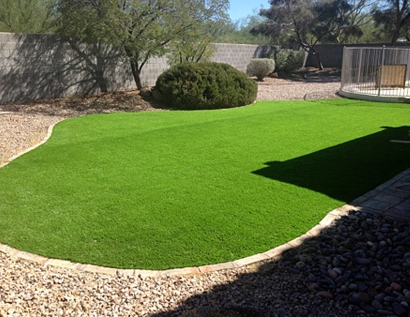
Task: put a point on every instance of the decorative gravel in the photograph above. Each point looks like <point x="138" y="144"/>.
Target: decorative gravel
<point x="359" y="266"/>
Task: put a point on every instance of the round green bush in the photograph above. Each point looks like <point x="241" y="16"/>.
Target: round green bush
<point x="260" y="67"/>
<point x="287" y="61"/>
<point x="205" y="85"/>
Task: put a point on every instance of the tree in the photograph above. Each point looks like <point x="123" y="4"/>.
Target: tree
<point x="361" y="16"/>
<point x="311" y="22"/>
<point x="372" y="33"/>
<point x="140" y="28"/>
<point x="193" y="44"/>
<point x="336" y="20"/>
<point x="394" y="17"/>
<point x="186" y="49"/>
<point x="239" y="31"/>
<point x="360" y="24"/>
<point x="26" y="16"/>
<point x="290" y="20"/>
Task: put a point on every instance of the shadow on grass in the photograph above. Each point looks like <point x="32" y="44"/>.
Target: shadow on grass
<point x="347" y="170"/>
<point x="341" y="269"/>
<point x="334" y="273"/>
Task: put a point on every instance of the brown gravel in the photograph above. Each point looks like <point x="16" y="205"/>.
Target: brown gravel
<point x="30" y="289"/>
<point x="24" y="124"/>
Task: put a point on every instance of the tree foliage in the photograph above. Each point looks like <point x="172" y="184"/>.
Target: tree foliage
<point x="310" y="22"/>
<point x="287" y="61"/>
<point x="394" y="17"/>
<point x="239" y="31"/>
<point x="194" y="44"/>
<point x="140" y="28"/>
<point x="27" y="16"/>
<point x="333" y="21"/>
<point x="289" y="20"/>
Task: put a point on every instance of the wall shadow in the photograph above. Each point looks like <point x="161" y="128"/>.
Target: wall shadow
<point x="347" y="170"/>
<point x="356" y="265"/>
<point x="347" y="269"/>
<point x="45" y="66"/>
<point x="262" y="51"/>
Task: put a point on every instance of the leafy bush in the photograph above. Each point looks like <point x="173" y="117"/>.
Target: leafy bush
<point x="287" y="61"/>
<point x="205" y="85"/>
<point x="260" y="67"/>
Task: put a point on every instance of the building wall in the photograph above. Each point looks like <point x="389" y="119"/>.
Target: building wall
<point x="42" y="66"/>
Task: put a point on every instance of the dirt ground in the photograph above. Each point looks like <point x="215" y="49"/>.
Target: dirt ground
<point x="136" y="100"/>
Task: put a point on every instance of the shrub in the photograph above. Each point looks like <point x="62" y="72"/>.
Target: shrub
<point x="205" y="85"/>
<point x="287" y="61"/>
<point x="260" y="67"/>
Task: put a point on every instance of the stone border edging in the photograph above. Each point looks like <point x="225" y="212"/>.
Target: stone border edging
<point x="274" y="253"/>
<point x="253" y="259"/>
<point x="45" y="139"/>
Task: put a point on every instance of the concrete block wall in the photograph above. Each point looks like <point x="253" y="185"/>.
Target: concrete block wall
<point x="237" y="55"/>
<point x="43" y="66"/>
<point x="332" y="54"/>
<point x="152" y="69"/>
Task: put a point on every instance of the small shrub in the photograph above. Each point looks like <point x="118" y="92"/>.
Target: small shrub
<point x="205" y="85"/>
<point x="287" y="61"/>
<point x="260" y="67"/>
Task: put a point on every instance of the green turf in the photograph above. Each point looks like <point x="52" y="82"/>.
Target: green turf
<point x="159" y="190"/>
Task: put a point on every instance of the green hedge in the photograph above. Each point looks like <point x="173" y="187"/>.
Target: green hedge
<point x="205" y="85"/>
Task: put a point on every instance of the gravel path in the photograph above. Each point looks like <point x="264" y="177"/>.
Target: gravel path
<point x="358" y="267"/>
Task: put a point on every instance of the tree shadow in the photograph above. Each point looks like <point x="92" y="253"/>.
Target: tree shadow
<point x="354" y="263"/>
<point x="314" y="75"/>
<point x="344" y="269"/>
<point x="110" y="102"/>
<point x="347" y="170"/>
<point x="40" y="67"/>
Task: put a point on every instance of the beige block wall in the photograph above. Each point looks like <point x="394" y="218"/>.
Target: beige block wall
<point x="43" y="66"/>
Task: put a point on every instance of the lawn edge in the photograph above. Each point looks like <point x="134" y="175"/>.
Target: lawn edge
<point x="44" y="140"/>
<point x="373" y="201"/>
<point x="257" y="259"/>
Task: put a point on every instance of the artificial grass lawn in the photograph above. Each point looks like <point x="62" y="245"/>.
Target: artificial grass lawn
<point x="158" y="190"/>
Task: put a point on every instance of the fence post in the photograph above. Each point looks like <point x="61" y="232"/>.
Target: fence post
<point x="343" y="64"/>
<point x="359" y="73"/>
<point x="381" y="71"/>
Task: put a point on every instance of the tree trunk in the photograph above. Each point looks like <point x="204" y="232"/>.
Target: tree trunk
<point x="318" y="60"/>
<point x="316" y="56"/>
<point x="136" y="74"/>
<point x="99" y="74"/>
<point x="310" y="50"/>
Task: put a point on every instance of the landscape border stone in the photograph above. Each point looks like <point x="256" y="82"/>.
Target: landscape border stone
<point x="375" y="200"/>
